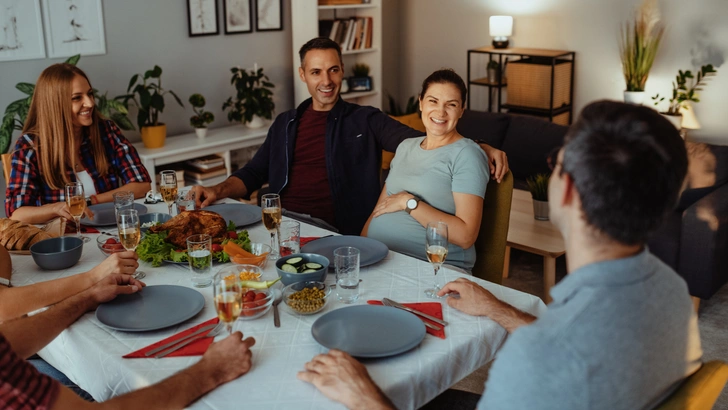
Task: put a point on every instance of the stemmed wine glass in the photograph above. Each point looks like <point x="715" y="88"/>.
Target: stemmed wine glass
<point x="436" y="247"/>
<point x="271" y="204"/>
<point x="129" y="233"/>
<point x="168" y="186"/>
<point x="76" y="201"/>
<point x="228" y="295"/>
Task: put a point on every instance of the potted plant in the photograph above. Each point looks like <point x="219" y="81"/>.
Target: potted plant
<point x="360" y="81"/>
<point x="201" y="118"/>
<point x="638" y="44"/>
<point x="493" y="69"/>
<point x="253" y="98"/>
<point x="148" y="96"/>
<point x="539" y="186"/>
<point x="395" y="110"/>
<point x="683" y="91"/>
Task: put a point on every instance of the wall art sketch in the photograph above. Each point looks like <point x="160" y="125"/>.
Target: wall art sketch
<point x="21" y="30"/>
<point x="238" y="16"/>
<point x="202" y="17"/>
<point x="74" y="27"/>
<point x="269" y="15"/>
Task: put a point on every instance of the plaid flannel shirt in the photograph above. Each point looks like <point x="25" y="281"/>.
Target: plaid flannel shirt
<point x="27" y="187"/>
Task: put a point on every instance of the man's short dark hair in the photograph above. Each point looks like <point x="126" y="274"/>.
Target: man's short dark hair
<point x="319" y="43"/>
<point x="446" y="76"/>
<point x="628" y="164"/>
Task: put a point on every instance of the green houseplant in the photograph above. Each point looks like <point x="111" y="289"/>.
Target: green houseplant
<point x="395" y="110"/>
<point x="538" y="185"/>
<point x="253" y="98"/>
<point x="201" y="118"/>
<point x="148" y="96"/>
<point x="684" y="91"/>
<point x="638" y="44"/>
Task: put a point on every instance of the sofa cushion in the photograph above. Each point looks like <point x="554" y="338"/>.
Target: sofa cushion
<point x="486" y="126"/>
<point x="528" y="142"/>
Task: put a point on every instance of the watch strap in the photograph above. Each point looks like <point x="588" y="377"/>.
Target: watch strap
<point x="5" y="282"/>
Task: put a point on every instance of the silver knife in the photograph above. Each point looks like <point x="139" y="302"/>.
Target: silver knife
<point x="174" y="342"/>
<point x="390" y="302"/>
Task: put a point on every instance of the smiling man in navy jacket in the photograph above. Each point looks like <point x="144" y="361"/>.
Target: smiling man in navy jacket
<point x="324" y="157"/>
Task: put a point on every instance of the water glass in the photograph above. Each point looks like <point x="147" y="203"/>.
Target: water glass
<point x="199" y="254"/>
<point x="346" y="261"/>
<point x="290" y="237"/>
<point x="186" y="201"/>
<point x="123" y="200"/>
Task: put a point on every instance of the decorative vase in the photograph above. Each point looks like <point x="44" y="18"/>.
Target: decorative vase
<point x="675" y="120"/>
<point x="634" y="97"/>
<point x="153" y="136"/>
<point x="201" y="132"/>
<point x="256" y="122"/>
<point x="541" y="210"/>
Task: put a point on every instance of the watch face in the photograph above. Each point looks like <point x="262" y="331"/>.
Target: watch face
<point x="412" y="203"/>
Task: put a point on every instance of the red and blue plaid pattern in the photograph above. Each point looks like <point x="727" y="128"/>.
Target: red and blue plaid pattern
<point x="27" y="187"/>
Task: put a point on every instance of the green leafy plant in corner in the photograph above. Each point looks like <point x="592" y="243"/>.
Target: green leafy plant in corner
<point x="148" y="96"/>
<point x="253" y="96"/>
<point x="684" y="88"/>
<point x="492" y="65"/>
<point x="396" y="111"/>
<point x="638" y="44"/>
<point x="539" y="186"/>
<point x="201" y="117"/>
<point x="360" y="70"/>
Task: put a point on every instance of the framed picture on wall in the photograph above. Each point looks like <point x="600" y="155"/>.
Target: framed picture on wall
<point x="238" y="16"/>
<point x="269" y="15"/>
<point x="21" y="30"/>
<point x="202" y="18"/>
<point x="74" y="27"/>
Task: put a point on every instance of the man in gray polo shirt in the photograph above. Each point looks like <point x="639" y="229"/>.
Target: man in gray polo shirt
<point x="621" y="332"/>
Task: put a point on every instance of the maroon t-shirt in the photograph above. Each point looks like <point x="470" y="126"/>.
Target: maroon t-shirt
<point x="308" y="190"/>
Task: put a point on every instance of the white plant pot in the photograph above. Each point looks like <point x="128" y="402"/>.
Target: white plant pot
<point x="634" y="97"/>
<point x="257" y="122"/>
<point x="201" y="132"/>
<point x="675" y="120"/>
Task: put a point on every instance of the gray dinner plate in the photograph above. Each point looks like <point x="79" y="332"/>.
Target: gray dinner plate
<point x="369" y="330"/>
<point x="104" y="214"/>
<point x="240" y="214"/>
<point x="152" y="308"/>
<point x="371" y="250"/>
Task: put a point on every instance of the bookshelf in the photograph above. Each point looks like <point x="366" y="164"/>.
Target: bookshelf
<point x="305" y="15"/>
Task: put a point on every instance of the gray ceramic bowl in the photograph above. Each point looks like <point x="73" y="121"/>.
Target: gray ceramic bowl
<point x="57" y="253"/>
<point x="153" y="217"/>
<point x="320" y="275"/>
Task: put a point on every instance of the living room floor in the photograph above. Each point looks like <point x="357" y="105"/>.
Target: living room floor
<point x="527" y="275"/>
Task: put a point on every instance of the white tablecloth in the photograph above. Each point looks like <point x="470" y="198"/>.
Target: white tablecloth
<point x="91" y="354"/>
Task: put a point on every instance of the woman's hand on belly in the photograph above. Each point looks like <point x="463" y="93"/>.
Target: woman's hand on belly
<point x="392" y="203"/>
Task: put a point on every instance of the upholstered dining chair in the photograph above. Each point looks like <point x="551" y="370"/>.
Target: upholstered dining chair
<point x="699" y="391"/>
<point x="6" y="158"/>
<point x="411" y="120"/>
<point x="490" y="247"/>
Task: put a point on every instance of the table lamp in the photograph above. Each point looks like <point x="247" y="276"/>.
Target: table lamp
<point x="689" y="121"/>
<point x="500" y="28"/>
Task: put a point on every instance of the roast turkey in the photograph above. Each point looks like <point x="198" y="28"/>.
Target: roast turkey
<point x="189" y="223"/>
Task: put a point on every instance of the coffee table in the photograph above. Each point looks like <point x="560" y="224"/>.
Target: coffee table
<point x="529" y="235"/>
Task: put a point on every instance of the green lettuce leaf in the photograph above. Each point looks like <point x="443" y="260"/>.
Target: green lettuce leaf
<point x="153" y="248"/>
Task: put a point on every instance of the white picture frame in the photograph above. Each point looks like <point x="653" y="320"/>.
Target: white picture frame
<point x="21" y="30"/>
<point x="268" y="15"/>
<point x="238" y="16"/>
<point x="202" y="18"/>
<point x="74" y="27"/>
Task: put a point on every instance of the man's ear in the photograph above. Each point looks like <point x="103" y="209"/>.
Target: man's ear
<point x="300" y="74"/>
<point x="569" y="193"/>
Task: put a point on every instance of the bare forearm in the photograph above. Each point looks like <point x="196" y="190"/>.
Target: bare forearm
<point x="34" y="214"/>
<point x="20" y="300"/>
<point x="232" y="187"/>
<point x="139" y="189"/>
<point x="510" y="317"/>
<point x="459" y="232"/>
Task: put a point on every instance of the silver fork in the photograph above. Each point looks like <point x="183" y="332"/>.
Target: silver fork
<point x="212" y="333"/>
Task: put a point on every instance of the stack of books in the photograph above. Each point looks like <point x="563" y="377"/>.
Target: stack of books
<point x="206" y="171"/>
<point x="351" y="34"/>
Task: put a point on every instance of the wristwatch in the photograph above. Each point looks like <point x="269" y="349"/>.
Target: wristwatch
<point x="412" y="204"/>
<point x="88" y="201"/>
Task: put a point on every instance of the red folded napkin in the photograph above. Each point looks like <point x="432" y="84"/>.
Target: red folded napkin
<point x="71" y="228"/>
<point x="430" y="308"/>
<point x="196" y="348"/>
<point x="307" y="239"/>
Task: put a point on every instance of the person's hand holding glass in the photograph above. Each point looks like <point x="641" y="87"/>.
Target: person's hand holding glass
<point x="436" y="244"/>
<point x="76" y="201"/>
<point x="168" y="188"/>
<point x="129" y="233"/>
<point x="228" y="297"/>
<point x="271" y="204"/>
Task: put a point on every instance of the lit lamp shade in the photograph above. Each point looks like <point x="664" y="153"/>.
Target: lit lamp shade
<point x="689" y="121"/>
<point x="501" y="27"/>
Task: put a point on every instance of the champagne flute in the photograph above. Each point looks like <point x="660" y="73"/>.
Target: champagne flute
<point x="228" y="297"/>
<point x="76" y="201"/>
<point x="271" y="204"/>
<point x="129" y="233"/>
<point x="436" y="248"/>
<point x="168" y="186"/>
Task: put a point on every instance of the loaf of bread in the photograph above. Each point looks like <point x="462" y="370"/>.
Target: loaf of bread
<point x="19" y="236"/>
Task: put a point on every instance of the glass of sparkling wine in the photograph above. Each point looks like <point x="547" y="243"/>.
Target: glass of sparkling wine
<point x="168" y="187"/>
<point x="436" y="247"/>
<point x="129" y="233"/>
<point x="76" y="201"/>
<point x="199" y="254"/>
<point x="228" y="296"/>
<point x="271" y="204"/>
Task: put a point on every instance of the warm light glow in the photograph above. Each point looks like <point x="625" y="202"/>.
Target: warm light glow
<point x="689" y="121"/>
<point x="501" y="26"/>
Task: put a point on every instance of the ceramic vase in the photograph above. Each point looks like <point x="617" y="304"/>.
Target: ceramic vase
<point x="256" y="122"/>
<point x="634" y="97"/>
<point x="154" y="136"/>
<point x="201" y="132"/>
<point x="541" y="210"/>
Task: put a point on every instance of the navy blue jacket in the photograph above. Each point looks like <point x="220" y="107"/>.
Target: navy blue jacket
<point x="355" y="137"/>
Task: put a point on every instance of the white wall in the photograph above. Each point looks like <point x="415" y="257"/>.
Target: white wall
<point x="435" y="34"/>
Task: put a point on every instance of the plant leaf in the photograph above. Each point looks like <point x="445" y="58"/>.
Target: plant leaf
<point x="157" y="72"/>
<point x="176" y="98"/>
<point x="73" y="60"/>
<point x="122" y="121"/>
<point x="26" y="88"/>
<point x="157" y="102"/>
<point x="133" y="81"/>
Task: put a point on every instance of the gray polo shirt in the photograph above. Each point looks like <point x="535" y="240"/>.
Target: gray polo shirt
<point x="619" y="334"/>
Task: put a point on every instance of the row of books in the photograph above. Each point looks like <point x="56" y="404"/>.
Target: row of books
<point x="352" y="34"/>
<point x="206" y="171"/>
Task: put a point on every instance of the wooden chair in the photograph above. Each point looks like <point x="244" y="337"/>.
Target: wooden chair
<point x="699" y="391"/>
<point x="490" y="247"/>
<point x="6" y="158"/>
